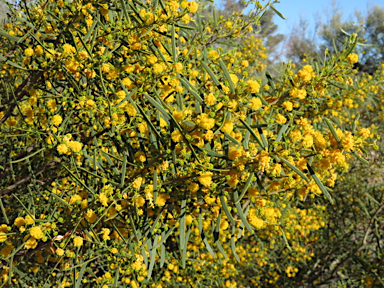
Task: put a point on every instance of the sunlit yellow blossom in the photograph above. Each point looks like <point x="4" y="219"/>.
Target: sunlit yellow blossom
<point x="205" y="179"/>
<point x="253" y="86"/>
<point x="78" y="241"/>
<point x="75" y="146"/>
<point x="177" y="136"/>
<point x="192" y="6"/>
<point x="158" y="68"/>
<point x="137" y="182"/>
<point x="306" y="73"/>
<point x="56" y="120"/>
<point x="28" y="52"/>
<point x="255" y="103"/>
<point x="62" y="149"/>
<point x="19" y="221"/>
<point x="353" y="58"/>
<point x="205" y="121"/>
<point x="298" y="93"/>
<point x="287" y="105"/>
<point x="36" y="232"/>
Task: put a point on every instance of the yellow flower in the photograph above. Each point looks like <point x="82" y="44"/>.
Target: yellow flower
<point x="178" y="67"/>
<point x="224" y="225"/>
<point x="62" y="149"/>
<point x="177" y="136"/>
<point x="3" y="231"/>
<point x="188" y="219"/>
<point x="287" y="105"/>
<point x="234" y="153"/>
<point x="78" y="241"/>
<point x="255" y="103"/>
<point x="194" y="73"/>
<point x="205" y="179"/>
<point x="36" y="232"/>
<point x="29" y="220"/>
<point x="60" y="252"/>
<point x="28" y="52"/>
<point x="90" y="216"/>
<point x="213" y="55"/>
<point x="106" y="232"/>
<point x="205" y="121"/>
<point x="227" y="127"/>
<point x="257" y="222"/>
<point x="353" y="58"/>
<point x="103" y="199"/>
<point x="75" y="146"/>
<point x="56" y="120"/>
<point x="158" y="68"/>
<point x="193" y="6"/>
<point x="19" y="221"/>
<point x="252" y="86"/>
<point x="307" y="141"/>
<point x="137" y="182"/>
<point x="6" y="251"/>
<point x="162" y="199"/>
<point x="31" y="243"/>
<point x="74" y="198"/>
<point x="306" y="73"/>
<point x="68" y="49"/>
<point x="234" y="78"/>
<point x="210" y="99"/>
<point x="280" y="119"/>
<point x="39" y="50"/>
<point x="114" y="250"/>
<point x="298" y="93"/>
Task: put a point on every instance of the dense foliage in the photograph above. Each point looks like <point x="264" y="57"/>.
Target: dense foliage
<point x="139" y="149"/>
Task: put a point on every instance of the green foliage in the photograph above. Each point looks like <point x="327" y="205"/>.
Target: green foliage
<point x="136" y="151"/>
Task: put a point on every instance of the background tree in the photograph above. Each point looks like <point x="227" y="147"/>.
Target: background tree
<point x="300" y="43"/>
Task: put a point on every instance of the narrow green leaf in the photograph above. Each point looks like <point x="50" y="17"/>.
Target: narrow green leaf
<point x="152" y="257"/>
<point x="242" y="216"/>
<point x="333" y="131"/>
<point x="165" y="237"/>
<point x="252" y="132"/>
<point x="79" y="181"/>
<point x="302" y="175"/>
<point x="184" y="251"/>
<point x="360" y="158"/>
<point x="182" y="223"/>
<point x="245" y="188"/>
<point x="231" y="138"/>
<point x="355" y="123"/>
<point x="233" y="244"/>
<point x="221" y="249"/>
<point x="226" y="74"/>
<point x="281" y="132"/>
<point x="226" y="210"/>
<point x="123" y="171"/>
<point x="318" y="182"/>
<point x="29" y="156"/>
<point x="263" y="139"/>
<point x="285" y="239"/>
<point x="158" y="106"/>
<point x="162" y="252"/>
<point x="80" y="275"/>
<point x="9" y="36"/>
<point x="277" y="12"/>
<point x="174" y="51"/>
<point x="191" y="89"/>
<point x="2" y="58"/>
<point x="210" y="72"/>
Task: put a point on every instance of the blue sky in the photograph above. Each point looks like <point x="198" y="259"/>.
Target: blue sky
<point x="293" y="9"/>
